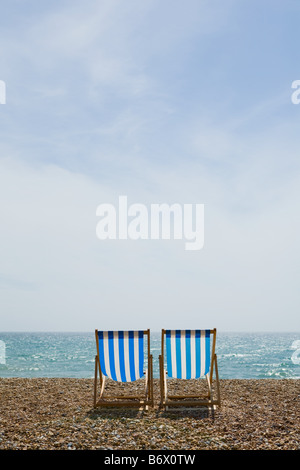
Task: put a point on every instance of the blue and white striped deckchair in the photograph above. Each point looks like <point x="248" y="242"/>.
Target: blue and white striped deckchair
<point x="120" y="357"/>
<point x="121" y="354"/>
<point x="190" y="354"/>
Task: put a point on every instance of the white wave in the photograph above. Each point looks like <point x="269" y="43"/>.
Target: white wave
<point x="2" y="352"/>
<point x="239" y="355"/>
<point x="296" y="354"/>
<point x="296" y="357"/>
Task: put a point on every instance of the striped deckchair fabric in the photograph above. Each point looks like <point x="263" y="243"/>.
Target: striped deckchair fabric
<point x="188" y="353"/>
<point x="122" y="354"/>
<point x="120" y="357"/>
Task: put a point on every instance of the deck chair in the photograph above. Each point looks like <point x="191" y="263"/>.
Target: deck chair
<point x="190" y="354"/>
<point x="120" y="357"/>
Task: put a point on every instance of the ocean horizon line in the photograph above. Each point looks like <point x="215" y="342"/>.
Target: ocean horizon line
<point x="153" y="331"/>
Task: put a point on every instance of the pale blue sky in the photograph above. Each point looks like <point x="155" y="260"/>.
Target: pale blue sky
<point x="162" y="101"/>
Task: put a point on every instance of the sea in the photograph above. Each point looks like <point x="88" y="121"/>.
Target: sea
<point x="257" y="355"/>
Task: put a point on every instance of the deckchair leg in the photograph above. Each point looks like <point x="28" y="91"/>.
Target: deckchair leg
<point x="95" y="382"/>
<point x="165" y="388"/>
<point x="146" y="382"/>
<point x="149" y="394"/>
<point x="210" y="392"/>
<point x="217" y="381"/>
<point x="162" y="382"/>
<point x="102" y="387"/>
<point x="209" y="385"/>
<point x="102" y="381"/>
<point x="150" y="381"/>
<point x="209" y="381"/>
<point x="146" y="387"/>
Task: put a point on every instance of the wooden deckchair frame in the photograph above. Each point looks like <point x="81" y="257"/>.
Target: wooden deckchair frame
<point x="139" y="401"/>
<point x="167" y="400"/>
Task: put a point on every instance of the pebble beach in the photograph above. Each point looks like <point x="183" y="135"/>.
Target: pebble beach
<point x="58" y="414"/>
